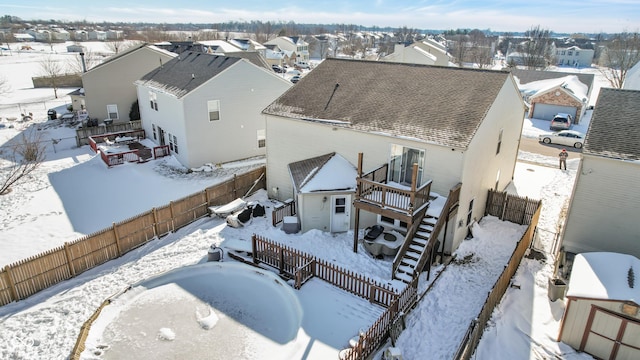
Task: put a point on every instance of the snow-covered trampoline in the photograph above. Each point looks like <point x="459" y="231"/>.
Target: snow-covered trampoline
<point x="214" y="310"/>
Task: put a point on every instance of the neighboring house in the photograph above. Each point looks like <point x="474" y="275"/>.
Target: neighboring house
<point x="549" y="92"/>
<point x="77" y="99"/>
<point x="115" y="34"/>
<point x="81" y="35"/>
<point x="23" y="37"/>
<point x="420" y="129"/>
<point x="603" y="213"/>
<point x="275" y="56"/>
<point x="632" y="79"/>
<point x="247" y="44"/>
<point x="207" y="108"/>
<point x="574" y="56"/>
<point x="321" y="45"/>
<point x="109" y="87"/>
<point x="425" y="52"/>
<point x="59" y="34"/>
<point x="293" y="46"/>
<point x="602" y="314"/>
<point x="98" y="35"/>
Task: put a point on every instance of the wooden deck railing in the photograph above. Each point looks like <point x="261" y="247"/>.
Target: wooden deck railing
<point x="391" y="197"/>
<point x="161" y="151"/>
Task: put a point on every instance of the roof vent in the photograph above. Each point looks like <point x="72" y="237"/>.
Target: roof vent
<point x="193" y="76"/>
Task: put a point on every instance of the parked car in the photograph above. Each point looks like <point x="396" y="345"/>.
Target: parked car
<point x="295" y="79"/>
<point x="302" y="64"/>
<point x="277" y="69"/>
<point x="561" y="122"/>
<point x="564" y="137"/>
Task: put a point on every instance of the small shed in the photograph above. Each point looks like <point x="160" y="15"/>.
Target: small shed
<point x="324" y="186"/>
<point x="602" y="315"/>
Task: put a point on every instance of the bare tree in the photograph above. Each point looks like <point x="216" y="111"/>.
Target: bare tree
<point x="115" y="46"/>
<point x="621" y="54"/>
<point x="74" y="64"/>
<point x="22" y="159"/>
<point x="480" y="52"/>
<point x="535" y="50"/>
<point x="52" y="69"/>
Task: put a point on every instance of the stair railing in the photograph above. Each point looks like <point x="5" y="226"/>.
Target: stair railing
<point x="411" y="232"/>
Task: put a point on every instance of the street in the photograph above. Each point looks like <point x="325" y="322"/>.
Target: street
<point x="532" y="145"/>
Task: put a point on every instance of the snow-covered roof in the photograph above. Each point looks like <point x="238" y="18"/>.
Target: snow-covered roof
<point x="605" y="275"/>
<point x="569" y="82"/>
<point x="330" y="172"/>
<point x="223" y="45"/>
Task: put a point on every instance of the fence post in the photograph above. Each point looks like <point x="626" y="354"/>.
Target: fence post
<point x="206" y="196"/>
<point x="505" y="203"/>
<point x="524" y="210"/>
<point x="281" y="259"/>
<point x="173" y="225"/>
<point x="12" y="285"/>
<point x="67" y="252"/>
<point x="235" y="186"/>
<point x="115" y="233"/>
<point x="372" y="292"/>
<point x="155" y="222"/>
<point x="253" y="248"/>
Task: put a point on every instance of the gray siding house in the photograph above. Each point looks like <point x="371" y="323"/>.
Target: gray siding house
<point x="409" y="130"/>
<point x="603" y="213"/>
<point x="207" y="108"/>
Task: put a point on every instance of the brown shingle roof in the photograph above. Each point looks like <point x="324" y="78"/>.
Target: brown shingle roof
<point x="442" y="105"/>
<point x="614" y="131"/>
<point x="301" y="170"/>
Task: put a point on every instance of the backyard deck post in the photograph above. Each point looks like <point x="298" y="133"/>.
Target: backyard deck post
<point x="357" y="218"/>
<point x="414" y="186"/>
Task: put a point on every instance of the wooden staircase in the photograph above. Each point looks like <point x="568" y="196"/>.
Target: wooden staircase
<point x="406" y="270"/>
<point x="419" y="245"/>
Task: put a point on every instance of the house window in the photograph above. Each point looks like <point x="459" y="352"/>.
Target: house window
<point x="497" y="181"/>
<point x="112" y="110"/>
<point x="577" y="53"/>
<point x="401" y="164"/>
<point x="570" y="53"/>
<point x="155" y="133"/>
<point x="175" y="144"/>
<point x="153" y="101"/>
<point x="213" y="106"/>
<point x="470" y="212"/>
<point x="499" y="141"/>
<point x="262" y="139"/>
<point x="170" y="141"/>
<point x="563" y="52"/>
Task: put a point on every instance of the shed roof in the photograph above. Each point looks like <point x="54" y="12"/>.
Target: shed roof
<point x="330" y="172"/>
<point x="188" y="71"/>
<point x="614" y="129"/>
<point x="440" y="105"/>
<point x="605" y="275"/>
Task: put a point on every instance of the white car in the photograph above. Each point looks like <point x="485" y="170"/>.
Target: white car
<point x="564" y="137"/>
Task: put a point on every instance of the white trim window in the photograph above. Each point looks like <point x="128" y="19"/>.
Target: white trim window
<point x="213" y="107"/>
<point x="175" y="144"/>
<point x="112" y="111"/>
<point x="155" y="132"/>
<point x="153" y="101"/>
<point x="470" y="212"/>
<point x="262" y="138"/>
<point x="499" y="141"/>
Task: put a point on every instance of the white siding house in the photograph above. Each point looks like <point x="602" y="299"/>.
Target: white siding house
<point x="426" y="52"/>
<point x="457" y="125"/>
<point x="207" y="107"/>
<point x="574" y="56"/>
<point x="603" y="213"/>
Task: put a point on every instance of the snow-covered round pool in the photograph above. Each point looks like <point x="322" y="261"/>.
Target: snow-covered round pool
<point x="215" y="310"/>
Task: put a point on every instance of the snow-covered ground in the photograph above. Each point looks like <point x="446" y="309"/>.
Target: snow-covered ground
<point x="73" y="194"/>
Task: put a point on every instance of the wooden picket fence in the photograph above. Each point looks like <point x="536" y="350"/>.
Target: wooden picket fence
<point x="301" y="267"/>
<point x="29" y="276"/>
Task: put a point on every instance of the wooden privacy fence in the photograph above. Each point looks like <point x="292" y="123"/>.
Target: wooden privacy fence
<point x="476" y="328"/>
<point x="26" y="277"/>
<point x="512" y="208"/>
<point x="83" y="134"/>
<point x="302" y="267"/>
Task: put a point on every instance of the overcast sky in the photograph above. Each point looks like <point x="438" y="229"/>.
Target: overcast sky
<point x="587" y="16"/>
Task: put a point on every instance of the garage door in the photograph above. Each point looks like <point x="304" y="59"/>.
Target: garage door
<point x="611" y="336"/>
<point x="547" y="112"/>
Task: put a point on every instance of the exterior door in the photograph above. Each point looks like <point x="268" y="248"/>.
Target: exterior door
<point x="610" y="336"/>
<point x="340" y="213"/>
<point x="401" y="164"/>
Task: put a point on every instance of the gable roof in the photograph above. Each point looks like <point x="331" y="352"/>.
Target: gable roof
<point x="182" y="74"/>
<point x="130" y="50"/>
<point x="253" y="56"/>
<point x="441" y="105"/>
<point x="614" y="129"/>
<point x="330" y="172"/>
<point x="605" y="275"/>
<point x="527" y="76"/>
